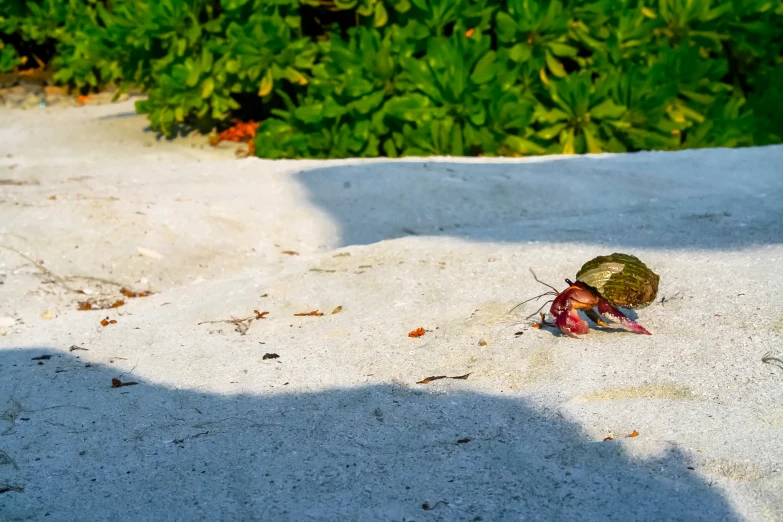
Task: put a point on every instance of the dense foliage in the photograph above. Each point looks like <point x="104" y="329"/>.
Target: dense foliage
<point x="337" y="78"/>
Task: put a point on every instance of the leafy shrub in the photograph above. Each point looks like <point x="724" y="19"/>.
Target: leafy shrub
<point x="338" y="78"/>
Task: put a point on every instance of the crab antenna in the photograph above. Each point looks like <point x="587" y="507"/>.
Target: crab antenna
<point x="543" y="283"/>
<point x="528" y="300"/>
<point x="542" y="306"/>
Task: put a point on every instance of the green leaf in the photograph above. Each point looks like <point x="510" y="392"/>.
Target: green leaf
<point x="369" y="102"/>
<point x="505" y="27"/>
<point x="484" y="70"/>
<point x="568" y="142"/>
<point x="551" y="116"/>
<point x="555" y="66"/>
<point x="193" y="75"/>
<point x="402" y="6"/>
<point x="560" y="49"/>
<point x="310" y="113"/>
<point x="607" y="110"/>
<point x="479" y="117"/>
<point x="207" y="86"/>
<point x="550" y="132"/>
<point x="523" y="146"/>
<point x="206" y="60"/>
<point x="593" y="144"/>
<point x="381" y="16"/>
<point x="389" y="149"/>
<point x="704" y="99"/>
<point x="267" y="83"/>
<point x="710" y="35"/>
<point x="521" y="52"/>
<point x="411" y="107"/>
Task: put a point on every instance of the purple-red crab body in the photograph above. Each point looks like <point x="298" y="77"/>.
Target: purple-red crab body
<point x="579" y="296"/>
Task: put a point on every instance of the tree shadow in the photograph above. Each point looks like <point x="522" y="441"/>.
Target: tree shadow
<point x="82" y="449"/>
<point x="707" y="199"/>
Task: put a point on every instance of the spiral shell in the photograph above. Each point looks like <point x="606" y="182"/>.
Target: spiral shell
<point x="621" y="279"/>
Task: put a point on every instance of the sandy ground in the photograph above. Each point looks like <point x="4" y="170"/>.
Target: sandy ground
<point x="336" y="427"/>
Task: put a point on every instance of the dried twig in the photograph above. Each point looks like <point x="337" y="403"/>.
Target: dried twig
<point x="438" y="377"/>
<point x="96" y="279"/>
<point x="5" y="488"/>
<point x="775" y="361"/>
<point x="242" y="324"/>
<point x="672" y="298"/>
<point x="59" y="280"/>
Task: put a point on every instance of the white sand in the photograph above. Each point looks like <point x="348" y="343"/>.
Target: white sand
<point x="336" y="428"/>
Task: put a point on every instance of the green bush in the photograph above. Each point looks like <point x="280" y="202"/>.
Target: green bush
<point x="338" y="78"/>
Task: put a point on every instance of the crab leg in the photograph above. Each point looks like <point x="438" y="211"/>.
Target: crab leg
<point x="616" y="316"/>
<point x="595" y="317"/>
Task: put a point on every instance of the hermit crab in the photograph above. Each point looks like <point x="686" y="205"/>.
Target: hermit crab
<point x="603" y="284"/>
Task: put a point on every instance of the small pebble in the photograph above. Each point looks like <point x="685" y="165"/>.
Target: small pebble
<point x="7" y="322"/>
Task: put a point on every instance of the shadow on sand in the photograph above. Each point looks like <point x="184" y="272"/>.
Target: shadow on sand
<point x="81" y="449"/>
<point x="707" y="199"/>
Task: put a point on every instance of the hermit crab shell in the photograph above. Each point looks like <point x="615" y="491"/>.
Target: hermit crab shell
<point x="621" y="279"/>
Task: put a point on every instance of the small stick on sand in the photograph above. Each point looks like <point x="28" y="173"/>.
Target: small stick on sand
<point x="775" y="361"/>
<point x="59" y="280"/>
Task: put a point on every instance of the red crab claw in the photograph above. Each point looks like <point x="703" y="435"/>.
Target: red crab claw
<point x="571" y="324"/>
<point x="616" y="316"/>
<point x="564" y="310"/>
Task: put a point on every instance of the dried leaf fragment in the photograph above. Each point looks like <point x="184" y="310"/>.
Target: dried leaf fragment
<point x="418" y="332"/>
<point x="116" y="383"/>
<point x="239" y="132"/>
<point x="290" y="252"/>
<point x="314" y="313"/>
<point x="118" y="303"/>
<point x="16" y="181"/>
<point x="608" y="438"/>
<point x="84" y="305"/>
<point x="260" y="315"/>
<point x="483" y="342"/>
<point x="337" y="310"/>
<point x="131" y="294"/>
<point x="435" y="378"/>
<point x="632" y="434"/>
